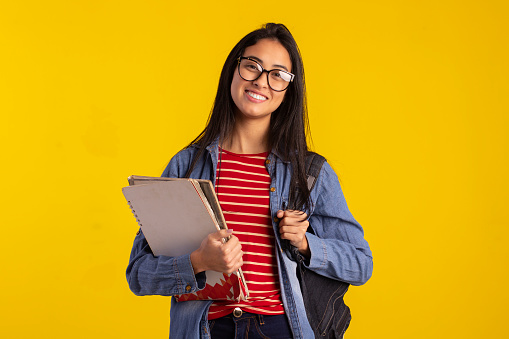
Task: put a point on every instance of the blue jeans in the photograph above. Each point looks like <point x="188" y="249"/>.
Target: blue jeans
<point x="250" y="325"/>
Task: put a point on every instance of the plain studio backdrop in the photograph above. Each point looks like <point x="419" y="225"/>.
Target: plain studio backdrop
<point x="408" y="101"/>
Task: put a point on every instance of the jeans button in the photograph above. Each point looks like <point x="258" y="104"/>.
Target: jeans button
<point x="237" y="312"/>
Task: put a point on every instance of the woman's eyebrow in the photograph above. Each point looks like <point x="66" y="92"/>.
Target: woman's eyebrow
<point x="260" y="61"/>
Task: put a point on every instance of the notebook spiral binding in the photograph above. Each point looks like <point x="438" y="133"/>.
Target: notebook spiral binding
<point x="134" y="213"/>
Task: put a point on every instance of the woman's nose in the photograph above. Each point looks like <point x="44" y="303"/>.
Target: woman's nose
<point x="262" y="81"/>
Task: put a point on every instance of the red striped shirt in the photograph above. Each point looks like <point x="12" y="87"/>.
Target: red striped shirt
<point x="242" y="186"/>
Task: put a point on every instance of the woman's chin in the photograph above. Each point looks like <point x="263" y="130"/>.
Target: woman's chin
<point x="253" y="115"/>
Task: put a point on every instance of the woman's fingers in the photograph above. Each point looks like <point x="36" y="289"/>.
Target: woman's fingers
<point x="236" y="263"/>
<point x="232" y="255"/>
<point x="292" y="215"/>
<point x="293" y="226"/>
<point x="216" y="254"/>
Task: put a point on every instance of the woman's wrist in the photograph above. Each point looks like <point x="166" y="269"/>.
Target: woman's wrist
<point x="197" y="262"/>
<point x="304" y="248"/>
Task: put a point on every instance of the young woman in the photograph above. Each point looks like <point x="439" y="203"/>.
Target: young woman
<point x="252" y="148"/>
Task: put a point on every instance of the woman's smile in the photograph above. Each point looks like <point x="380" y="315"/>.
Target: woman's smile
<point x="256" y="96"/>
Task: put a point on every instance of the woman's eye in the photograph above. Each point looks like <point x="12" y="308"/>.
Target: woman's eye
<point x="285" y="76"/>
<point x="276" y="75"/>
<point x="252" y="67"/>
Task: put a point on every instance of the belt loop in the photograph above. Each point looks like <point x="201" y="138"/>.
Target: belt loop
<point x="260" y="319"/>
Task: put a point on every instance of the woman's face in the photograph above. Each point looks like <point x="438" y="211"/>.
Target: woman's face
<point x="255" y="99"/>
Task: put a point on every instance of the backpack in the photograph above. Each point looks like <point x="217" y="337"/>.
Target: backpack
<point x="327" y="313"/>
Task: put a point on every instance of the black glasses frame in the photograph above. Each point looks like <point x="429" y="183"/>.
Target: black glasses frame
<point x="239" y="59"/>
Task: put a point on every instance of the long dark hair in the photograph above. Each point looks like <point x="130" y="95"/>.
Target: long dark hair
<point x="288" y="123"/>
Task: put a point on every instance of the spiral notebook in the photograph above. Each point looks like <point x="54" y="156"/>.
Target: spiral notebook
<point x="175" y="215"/>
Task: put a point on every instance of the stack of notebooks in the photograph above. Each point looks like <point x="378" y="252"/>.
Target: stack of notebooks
<point x="175" y="215"/>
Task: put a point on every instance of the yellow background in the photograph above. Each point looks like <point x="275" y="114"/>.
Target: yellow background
<point x="408" y="100"/>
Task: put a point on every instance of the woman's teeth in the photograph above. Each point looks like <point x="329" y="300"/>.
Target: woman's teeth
<point x="256" y="96"/>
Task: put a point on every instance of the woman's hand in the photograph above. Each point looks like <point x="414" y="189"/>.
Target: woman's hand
<point x="216" y="255"/>
<point x="293" y="226"/>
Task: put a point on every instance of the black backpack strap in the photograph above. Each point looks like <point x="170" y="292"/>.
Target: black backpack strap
<point x="314" y="163"/>
<point x="313" y="166"/>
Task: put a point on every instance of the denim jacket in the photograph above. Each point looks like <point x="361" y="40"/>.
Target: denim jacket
<point x="338" y="248"/>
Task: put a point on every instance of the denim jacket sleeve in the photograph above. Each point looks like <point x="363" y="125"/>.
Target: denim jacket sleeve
<point x="161" y="275"/>
<point x="338" y="247"/>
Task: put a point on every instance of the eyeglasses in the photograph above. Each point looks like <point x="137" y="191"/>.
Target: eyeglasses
<point x="250" y="70"/>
